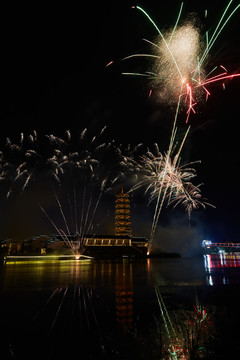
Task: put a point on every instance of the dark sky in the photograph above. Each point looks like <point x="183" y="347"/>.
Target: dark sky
<point x="53" y="78"/>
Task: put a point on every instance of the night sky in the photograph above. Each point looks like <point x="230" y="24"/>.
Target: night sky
<point x="53" y="78"/>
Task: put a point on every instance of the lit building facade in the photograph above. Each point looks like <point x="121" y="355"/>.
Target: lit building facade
<point x="121" y="244"/>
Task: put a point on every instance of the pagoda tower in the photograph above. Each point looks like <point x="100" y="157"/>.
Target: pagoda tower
<point x="122" y="215"/>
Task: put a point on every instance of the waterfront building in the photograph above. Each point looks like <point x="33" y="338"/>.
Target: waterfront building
<point x="120" y="244"/>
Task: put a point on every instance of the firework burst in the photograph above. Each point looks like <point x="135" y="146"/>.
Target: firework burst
<point x="180" y="62"/>
<point x="83" y="182"/>
<point x="49" y="157"/>
<point x="166" y="180"/>
<point x="74" y="170"/>
<point x="179" y="76"/>
<point x="28" y="160"/>
<point x="75" y="155"/>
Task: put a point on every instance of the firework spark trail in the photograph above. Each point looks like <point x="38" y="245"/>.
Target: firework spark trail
<point x="79" y="303"/>
<point x="97" y="203"/>
<point x="73" y="305"/>
<point x="164" y="320"/>
<point x="62" y="212"/>
<point x="76" y="241"/>
<point x="83" y="209"/>
<point x="161" y="309"/>
<point x="52" y="222"/>
<point x="75" y="209"/>
<point x="165" y="311"/>
<point x="67" y="237"/>
<point x="86" y="312"/>
<point x="164" y="186"/>
<point x="158" y="207"/>
<point x="54" y="292"/>
<point x="191" y="199"/>
<point x="87" y="225"/>
<point x="163" y="38"/>
<point x="68" y="241"/>
<point x="87" y="214"/>
<point x="173" y="134"/>
<point x="59" y="231"/>
<point x="59" y="307"/>
<point x="218" y="32"/>
<point x="89" y="295"/>
<point x="177" y="21"/>
<point x="73" y="213"/>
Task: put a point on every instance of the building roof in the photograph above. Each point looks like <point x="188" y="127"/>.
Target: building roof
<point x="110" y="236"/>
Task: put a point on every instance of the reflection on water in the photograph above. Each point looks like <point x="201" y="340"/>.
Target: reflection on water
<point x="64" y="303"/>
<point x="186" y="332"/>
<point x="222" y="268"/>
<point x="112" y="310"/>
<point x="124" y="296"/>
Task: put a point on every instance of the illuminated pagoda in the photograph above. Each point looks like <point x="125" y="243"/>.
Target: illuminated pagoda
<point x="122" y="215"/>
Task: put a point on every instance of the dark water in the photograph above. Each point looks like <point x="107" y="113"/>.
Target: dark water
<point x="142" y="309"/>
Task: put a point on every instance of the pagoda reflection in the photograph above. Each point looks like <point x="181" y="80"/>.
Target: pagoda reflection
<point x="124" y="295"/>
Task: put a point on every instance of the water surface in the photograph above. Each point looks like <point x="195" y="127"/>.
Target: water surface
<point x="126" y="309"/>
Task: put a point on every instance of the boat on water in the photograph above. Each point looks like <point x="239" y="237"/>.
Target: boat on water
<point x="210" y="247"/>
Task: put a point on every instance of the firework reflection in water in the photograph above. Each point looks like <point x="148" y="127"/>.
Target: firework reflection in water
<point x="67" y="321"/>
<point x="185" y="333"/>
